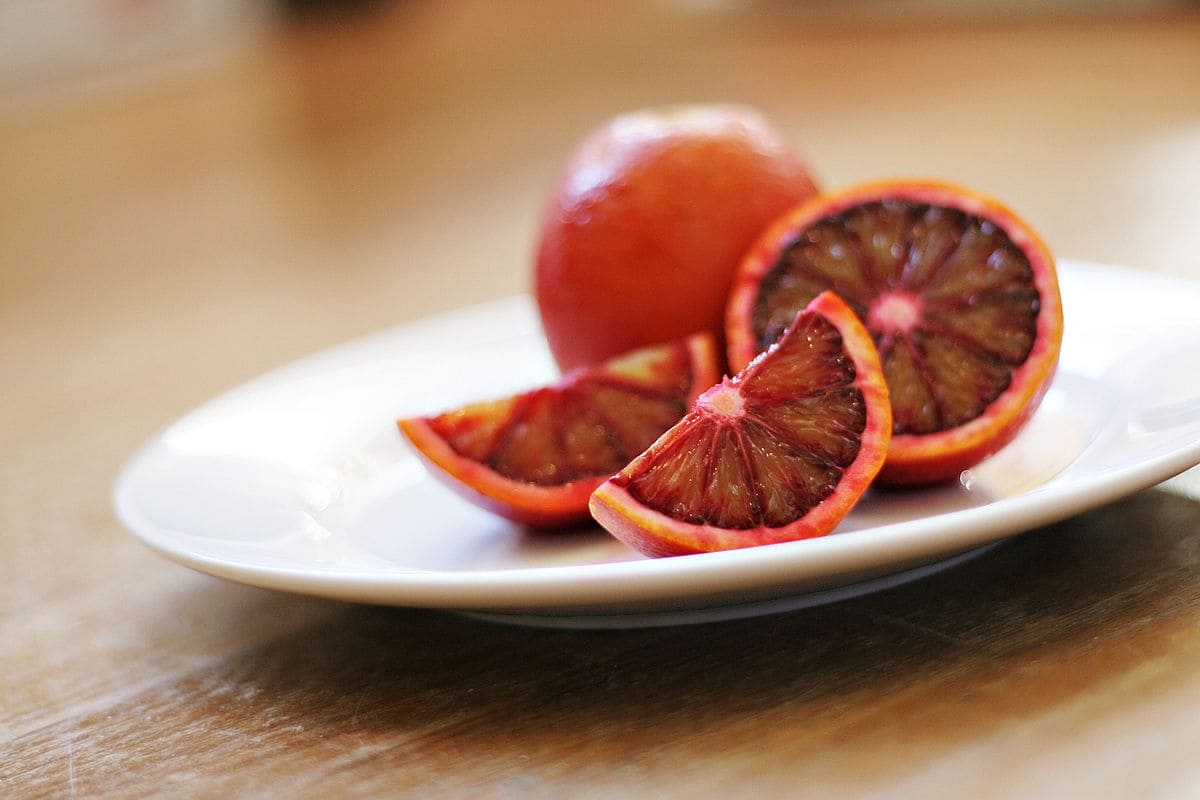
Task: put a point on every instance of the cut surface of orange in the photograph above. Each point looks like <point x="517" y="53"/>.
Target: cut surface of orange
<point x="780" y="452"/>
<point x="535" y="457"/>
<point x="959" y="293"/>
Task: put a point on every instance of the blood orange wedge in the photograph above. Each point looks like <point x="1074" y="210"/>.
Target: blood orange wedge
<point x="959" y="293"/>
<point x="780" y="452"/>
<point x="536" y="457"/>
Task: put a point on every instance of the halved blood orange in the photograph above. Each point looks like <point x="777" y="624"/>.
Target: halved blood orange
<point x="959" y="293"/>
<point x="780" y="452"/>
<point x="535" y="457"/>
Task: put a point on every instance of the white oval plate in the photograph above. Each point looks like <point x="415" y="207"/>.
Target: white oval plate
<point x="299" y="481"/>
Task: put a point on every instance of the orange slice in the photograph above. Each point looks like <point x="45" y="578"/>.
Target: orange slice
<point x="536" y="457"/>
<point x="780" y="452"/>
<point x="959" y="293"/>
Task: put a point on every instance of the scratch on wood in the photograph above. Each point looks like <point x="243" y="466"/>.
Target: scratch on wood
<point x="924" y="630"/>
<point x="358" y="705"/>
<point x="71" y="767"/>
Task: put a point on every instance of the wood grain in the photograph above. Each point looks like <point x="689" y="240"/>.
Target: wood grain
<point x="162" y="243"/>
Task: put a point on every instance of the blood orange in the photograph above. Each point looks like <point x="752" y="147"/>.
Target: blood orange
<point x="648" y="221"/>
<point x="959" y="293"/>
<point x="536" y="457"/>
<point x="780" y="452"/>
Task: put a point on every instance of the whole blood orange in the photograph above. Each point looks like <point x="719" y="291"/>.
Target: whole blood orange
<point x="959" y="293"/>
<point x="780" y="452"/>
<point x="536" y="457"/>
<point x="648" y="221"/>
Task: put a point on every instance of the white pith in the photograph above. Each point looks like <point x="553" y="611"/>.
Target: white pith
<point x="894" y="312"/>
<point x="724" y="400"/>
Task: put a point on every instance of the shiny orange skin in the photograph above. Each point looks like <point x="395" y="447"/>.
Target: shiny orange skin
<point x="915" y="460"/>
<point x="656" y="534"/>
<point x="532" y="505"/>
<point x="648" y="221"/>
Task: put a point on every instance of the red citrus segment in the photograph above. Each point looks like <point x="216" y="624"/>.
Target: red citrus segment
<point x="960" y="295"/>
<point x="536" y="457"/>
<point x="472" y="430"/>
<point x="780" y="452"/>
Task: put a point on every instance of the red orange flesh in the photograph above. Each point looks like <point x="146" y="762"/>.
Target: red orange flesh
<point x="536" y="457"/>
<point x="959" y="293"/>
<point x="781" y="452"/>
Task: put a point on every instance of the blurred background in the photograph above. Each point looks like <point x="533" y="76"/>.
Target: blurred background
<point x="177" y="165"/>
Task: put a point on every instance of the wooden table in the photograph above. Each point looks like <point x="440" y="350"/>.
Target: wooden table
<point x="165" y="238"/>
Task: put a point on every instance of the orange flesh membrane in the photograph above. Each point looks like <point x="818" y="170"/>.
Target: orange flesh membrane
<point x="764" y="451"/>
<point x="536" y="457"/>
<point x="948" y="297"/>
<point x="593" y="424"/>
